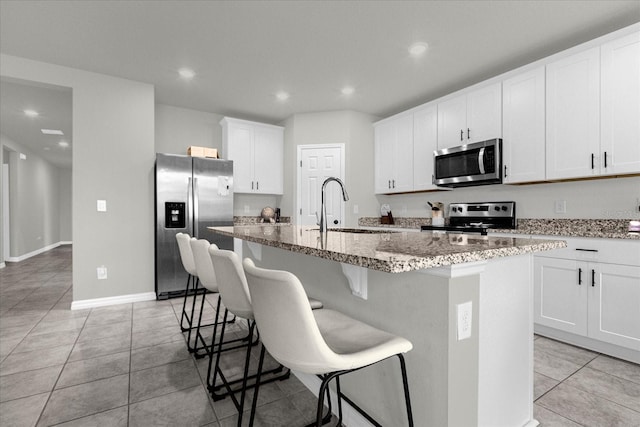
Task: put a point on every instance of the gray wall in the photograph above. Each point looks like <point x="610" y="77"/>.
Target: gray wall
<point x="336" y="127"/>
<point x="65" y="189"/>
<point x="113" y="155"/>
<point x="37" y="200"/>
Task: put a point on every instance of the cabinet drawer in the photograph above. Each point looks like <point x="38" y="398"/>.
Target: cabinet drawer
<point x="614" y="251"/>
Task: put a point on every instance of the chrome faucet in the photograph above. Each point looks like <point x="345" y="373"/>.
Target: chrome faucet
<point x="323" y="213"/>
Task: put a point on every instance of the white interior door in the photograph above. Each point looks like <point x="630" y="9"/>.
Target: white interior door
<point x="316" y="163"/>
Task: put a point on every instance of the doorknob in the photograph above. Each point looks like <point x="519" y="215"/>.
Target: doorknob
<point x="336" y="222"/>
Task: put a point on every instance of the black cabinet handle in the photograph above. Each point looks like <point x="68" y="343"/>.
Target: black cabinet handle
<point x="461" y="135"/>
<point x="593" y="278"/>
<point x="468" y="133"/>
<point x="505" y="171"/>
<point x="257" y="185"/>
<point x="586" y="250"/>
<point x="579" y="276"/>
<point x="394" y="183"/>
<point x="389" y="184"/>
<point x="605" y="159"/>
<point x="592" y="161"/>
<point x="252" y="185"/>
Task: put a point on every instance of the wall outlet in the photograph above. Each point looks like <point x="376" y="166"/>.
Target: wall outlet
<point x="102" y="272"/>
<point x="101" y="205"/>
<point x="561" y="206"/>
<point x="356" y="210"/>
<point x="464" y="316"/>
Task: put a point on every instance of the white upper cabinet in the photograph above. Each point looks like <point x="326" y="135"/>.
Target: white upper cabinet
<point x="257" y="151"/>
<point x="573" y="116"/>
<point x="425" y="142"/>
<point x="471" y="117"/>
<point x="394" y="155"/>
<point x="523" y="127"/>
<point x="620" y="126"/>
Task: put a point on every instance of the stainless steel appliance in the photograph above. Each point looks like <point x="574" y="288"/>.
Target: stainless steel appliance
<point x="192" y="193"/>
<point x="478" y="163"/>
<point x="478" y="217"/>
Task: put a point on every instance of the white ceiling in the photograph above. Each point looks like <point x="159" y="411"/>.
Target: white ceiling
<point x="246" y="51"/>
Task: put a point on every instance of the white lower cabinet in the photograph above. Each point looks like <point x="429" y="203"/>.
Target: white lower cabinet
<point x="614" y="305"/>
<point x="597" y="300"/>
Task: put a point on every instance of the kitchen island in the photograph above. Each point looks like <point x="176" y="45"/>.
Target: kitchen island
<point x="412" y="284"/>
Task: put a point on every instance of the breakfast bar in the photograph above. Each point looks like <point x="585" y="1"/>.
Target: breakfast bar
<point x="464" y="301"/>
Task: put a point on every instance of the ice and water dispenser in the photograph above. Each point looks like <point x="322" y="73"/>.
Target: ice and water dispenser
<point x="175" y="215"/>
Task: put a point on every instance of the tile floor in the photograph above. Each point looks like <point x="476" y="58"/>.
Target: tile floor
<point x="127" y="365"/>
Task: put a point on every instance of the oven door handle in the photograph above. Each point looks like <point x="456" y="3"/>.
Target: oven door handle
<point x="481" y="160"/>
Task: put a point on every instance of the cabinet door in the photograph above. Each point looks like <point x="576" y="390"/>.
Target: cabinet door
<point x="573" y="116"/>
<point x="268" y="160"/>
<point x="402" y="176"/>
<point x="523" y="127"/>
<point x="484" y="114"/>
<point x="425" y="142"/>
<point x="452" y="122"/>
<point x="620" y="143"/>
<point x="614" y="304"/>
<point x="384" y="142"/>
<point x="561" y="294"/>
<point x="240" y="150"/>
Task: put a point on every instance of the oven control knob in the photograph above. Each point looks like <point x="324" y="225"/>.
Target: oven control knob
<point x="504" y="208"/>
<point x="497" y="208"/>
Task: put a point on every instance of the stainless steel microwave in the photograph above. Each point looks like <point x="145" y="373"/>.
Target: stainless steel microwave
<point x="478" y="163"/>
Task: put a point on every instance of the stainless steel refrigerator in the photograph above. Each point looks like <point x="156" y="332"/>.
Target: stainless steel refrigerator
<point x="192" y="193"/>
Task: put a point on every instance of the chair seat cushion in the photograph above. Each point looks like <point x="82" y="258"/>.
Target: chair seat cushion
<point x="356" y="344"/>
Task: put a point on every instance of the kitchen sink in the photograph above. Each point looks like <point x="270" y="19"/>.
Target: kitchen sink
<point x="356" y="230"/>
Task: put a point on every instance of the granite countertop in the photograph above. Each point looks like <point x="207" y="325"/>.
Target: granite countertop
<point x="589" y="228"/>
<point x="388" y="251"/>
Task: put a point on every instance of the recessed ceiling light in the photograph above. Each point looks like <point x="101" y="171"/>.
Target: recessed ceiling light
<point x="418" y="49"/>
<point x="282" y="96"/>
<point x="51" y="132"/>
<point x="31" y="113"/>
<point x="348" y="90"/>
<point x="63" y="144"/>
<point x="186" y="73"/>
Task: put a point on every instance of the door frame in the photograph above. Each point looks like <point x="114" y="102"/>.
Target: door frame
<point x="300" y="148"/>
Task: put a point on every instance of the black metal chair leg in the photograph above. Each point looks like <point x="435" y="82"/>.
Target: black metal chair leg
<point x="339" y="393"/>
<point x="254" y="403"/>
<point x="211" y="385"/>
<point x="184" y="307"/>
<point x="405" y="384"/>
<point x="195" y="345"/>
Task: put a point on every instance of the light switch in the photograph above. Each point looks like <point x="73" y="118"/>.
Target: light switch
<point x="102" y="272"/>
<point x="102" y="205"/>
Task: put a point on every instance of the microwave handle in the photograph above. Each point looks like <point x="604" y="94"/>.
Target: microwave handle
<point x="481" y="160"/>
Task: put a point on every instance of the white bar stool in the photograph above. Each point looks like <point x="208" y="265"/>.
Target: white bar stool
<point x="207" y="278"/>
<point x="234" y="292"/>
<point x="322" y="342"/>
<point x="186" y="256"/>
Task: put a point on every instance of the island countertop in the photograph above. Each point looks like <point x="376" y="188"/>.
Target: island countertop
<point x="388" y="251"/>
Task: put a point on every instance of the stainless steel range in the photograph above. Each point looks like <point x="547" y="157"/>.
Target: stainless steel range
<point x="478" y="217"/>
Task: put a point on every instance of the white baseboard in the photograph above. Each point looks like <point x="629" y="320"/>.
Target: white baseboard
<point x="36" y="252"/>
<point x="121" y="299"/>
<point x="66" y="242"/>
<point x="350" y="417"/>
<point x="2" y="265"/>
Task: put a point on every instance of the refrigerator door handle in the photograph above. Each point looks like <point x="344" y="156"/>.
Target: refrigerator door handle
<point x="189" y="204"/>
<point x="195" y="207"/>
